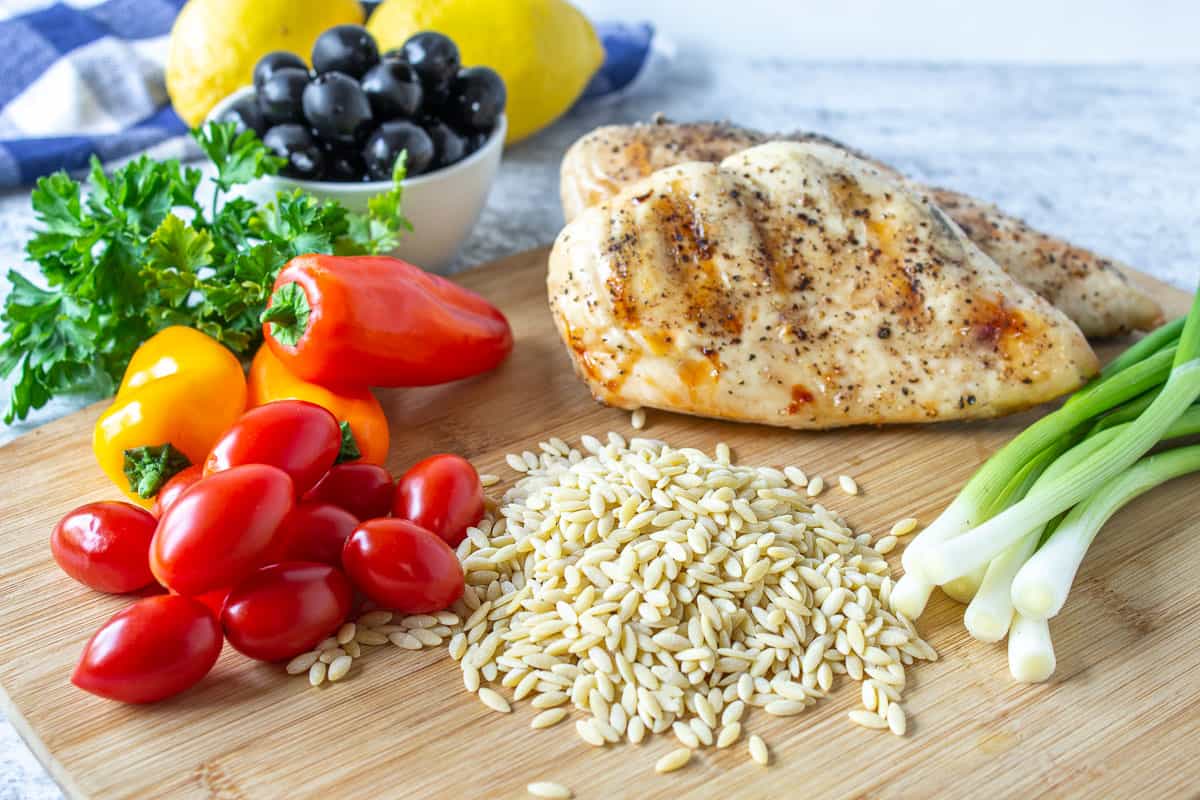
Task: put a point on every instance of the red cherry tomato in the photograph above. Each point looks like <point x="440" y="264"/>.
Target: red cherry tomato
<point x="220" y="529"/>
<point x="315" y="532"/>
<point x="441" y="494"/>
<point x="402" y="566"/>
<point x="105" y="546"/>
<point x="214" y="600"/>
<point x="365" y="490"/>
<point x="171" y="490"/>
<point x="151" y="650"/>
<point x="300" y="438"/>
<point x="286" y="609"/>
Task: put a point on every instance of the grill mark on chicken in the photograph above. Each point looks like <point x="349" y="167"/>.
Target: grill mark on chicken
<point x="779" y="268"/>
<point x="780" y="265"/>
<point x="895" y="264"/>
<point x="622" y="249"/>
<point x="691" y="266"/>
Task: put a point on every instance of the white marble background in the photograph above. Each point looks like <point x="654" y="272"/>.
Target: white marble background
<point x="1023" y="103"/>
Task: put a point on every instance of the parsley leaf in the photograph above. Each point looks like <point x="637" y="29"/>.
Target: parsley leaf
<point x="379" y="231"/>
<point x="299" y="223"/>
<point x="137" y="252"/>
<point x="239" y="158"/>
<point x="174" y="244"/>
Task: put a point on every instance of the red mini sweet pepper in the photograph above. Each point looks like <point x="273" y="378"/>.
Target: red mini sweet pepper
<point x="380" y="321"/>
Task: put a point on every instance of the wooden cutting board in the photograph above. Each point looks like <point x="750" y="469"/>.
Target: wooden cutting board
<point x="1119" y="718"/>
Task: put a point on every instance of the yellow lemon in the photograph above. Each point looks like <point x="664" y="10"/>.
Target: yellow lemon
<point x="215" y="44"/>
<point x="545" y="50"/>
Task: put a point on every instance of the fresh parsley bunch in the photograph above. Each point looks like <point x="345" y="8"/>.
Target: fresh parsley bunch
<point x="138" y="251"/>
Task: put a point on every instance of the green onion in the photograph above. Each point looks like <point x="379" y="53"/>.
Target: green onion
<point x="988" y="616"/>
<point x="969" y="509"/>
<point x="1030" y="651"/>
<point x="959" y="555"/>
<point x="1126" y="413"/>
<point x="1040" y="589"/>
<point x="963" y="588"/>
<point x="990" y="612"/>
<point x="911" y="593"/>
<point x="968" y="551"/>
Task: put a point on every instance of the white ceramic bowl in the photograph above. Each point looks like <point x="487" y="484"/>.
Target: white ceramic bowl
<point x="443" y="206"/>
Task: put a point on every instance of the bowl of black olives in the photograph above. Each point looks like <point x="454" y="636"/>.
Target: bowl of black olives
<point x="343" y="122"/>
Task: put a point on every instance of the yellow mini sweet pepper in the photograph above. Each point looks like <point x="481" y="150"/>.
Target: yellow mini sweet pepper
<point x="181" y="391"/>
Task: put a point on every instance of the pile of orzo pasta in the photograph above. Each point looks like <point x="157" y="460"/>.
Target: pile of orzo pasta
<point x="657" y="589"/>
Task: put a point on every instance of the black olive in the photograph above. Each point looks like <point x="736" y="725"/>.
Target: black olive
<point x="395" y="54"/>
<point x="477" y="98"/>
<point x="296" y="144"/>
<point x="434" y="57"/>
<point x="245" y="114"/>
<point x="448" y="144"/>
<point x="475" y="141"/>
<point x="437" y="98"/>
<point x="279" y="97"/>
<point x="386" y="144"/>
<point x="337" y="109"/>
<point x="271" y="63"/>
<point x="344" y="165"/>
<point x="348" y="49"/>
<point x="394" y="89"/>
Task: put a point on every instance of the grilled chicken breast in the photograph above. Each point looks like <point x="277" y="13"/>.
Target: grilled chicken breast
<point x="1089" y="289"/>
<point x="797" y="285"/>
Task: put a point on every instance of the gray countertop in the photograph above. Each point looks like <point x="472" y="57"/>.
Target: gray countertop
<point x="1106" y="156"/>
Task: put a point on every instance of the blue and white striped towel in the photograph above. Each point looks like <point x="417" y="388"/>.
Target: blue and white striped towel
<point x="86" y="76"/>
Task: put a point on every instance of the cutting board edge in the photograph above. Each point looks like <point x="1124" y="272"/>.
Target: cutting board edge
<point x="57" y="771"/>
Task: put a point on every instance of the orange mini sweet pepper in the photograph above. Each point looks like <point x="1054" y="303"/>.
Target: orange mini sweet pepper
<point x="359" y="409"/>
<point x="181" y="391"/>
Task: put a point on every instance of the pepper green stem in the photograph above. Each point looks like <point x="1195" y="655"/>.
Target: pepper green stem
<point x="148" y="468"/>
<point x="349" y="451"/>
<point x="287" y="314"/>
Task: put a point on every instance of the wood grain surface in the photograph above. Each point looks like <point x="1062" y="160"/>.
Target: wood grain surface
<point x="1119" y="718"/>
